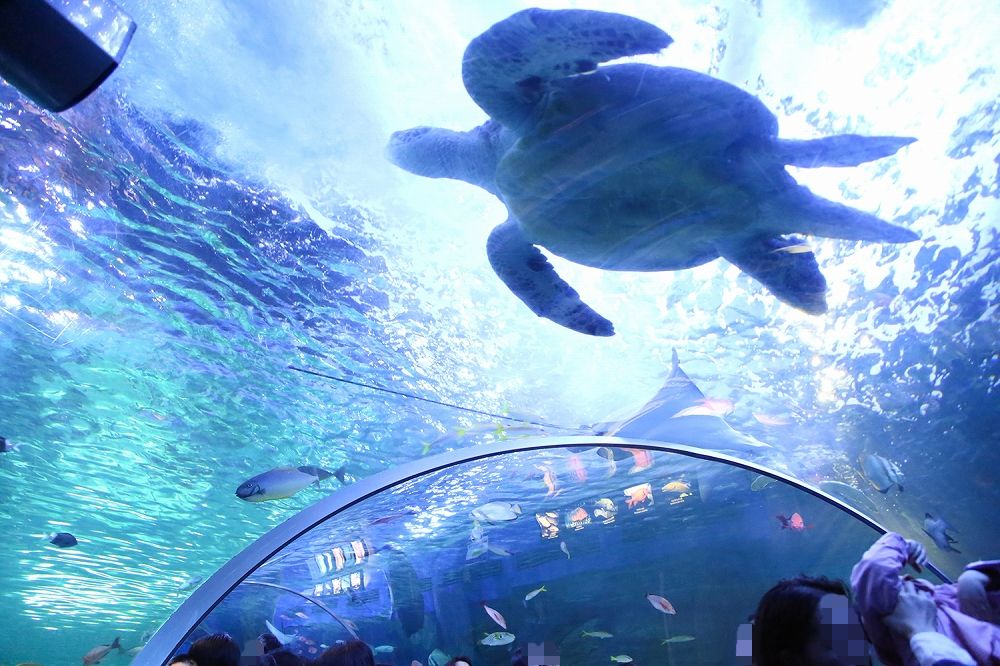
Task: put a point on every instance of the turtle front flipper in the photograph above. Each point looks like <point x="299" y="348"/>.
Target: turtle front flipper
<point x="838" y="151"/>
<point x="526" y="271"/>
<point x="505" y="68"/>
<point x="785" y="266"/>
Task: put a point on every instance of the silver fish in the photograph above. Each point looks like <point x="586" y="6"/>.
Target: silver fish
<point x="881" y="473"/>
<point x="937" y="529"/>
<point x="280" y="482"/>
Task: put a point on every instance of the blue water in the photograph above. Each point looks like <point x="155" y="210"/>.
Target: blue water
<point x="221" y="210"/>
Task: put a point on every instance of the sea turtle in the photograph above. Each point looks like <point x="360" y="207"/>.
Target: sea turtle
<point x="633" y="167"/>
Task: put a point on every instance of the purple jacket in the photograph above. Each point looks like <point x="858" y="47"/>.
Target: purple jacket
<point x="876" y="583"/>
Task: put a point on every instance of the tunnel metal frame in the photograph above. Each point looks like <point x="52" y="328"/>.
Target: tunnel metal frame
<point x="172" y="634"/>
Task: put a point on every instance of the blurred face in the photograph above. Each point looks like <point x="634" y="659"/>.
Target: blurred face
<point x="839" y="639"/>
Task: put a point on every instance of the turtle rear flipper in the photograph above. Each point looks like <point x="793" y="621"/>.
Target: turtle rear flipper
<point x="792" y="276"/>
<point x="505" y="68"/>
<point x="800" y="211"/>
<point x="838" y="151"/>
<point x="527" y="273"/>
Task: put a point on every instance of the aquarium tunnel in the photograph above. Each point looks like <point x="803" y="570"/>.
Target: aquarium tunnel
<point x="410" y="559"/>
<point x="488" y="327"/>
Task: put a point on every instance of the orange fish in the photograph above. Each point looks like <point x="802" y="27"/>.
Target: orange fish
<point x="495" y="616"/>
<point x="638" y="494"/>
<point x="576" y="465"/>
<point x="578" y="514"/>
<point x="549" y="478"/>
<point x="643" y="460"/>
<point x="661" y="604"/>
<point x="795" y="522"/>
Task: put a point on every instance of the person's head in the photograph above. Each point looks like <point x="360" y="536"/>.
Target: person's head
<point x="182" y="659"/>
<point x="460" y="660"/>
<point x="215" y="650"/>
<point x="808" y="621"/>
<point x="269" y="642"/>
<point x="351" y="653"/>
<point x="281" y="657"/>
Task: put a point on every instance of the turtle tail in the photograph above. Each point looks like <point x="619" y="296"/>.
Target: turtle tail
<point x="505" y="69"/>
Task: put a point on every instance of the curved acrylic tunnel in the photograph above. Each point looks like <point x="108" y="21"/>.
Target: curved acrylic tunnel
<point x="407" y="559"/>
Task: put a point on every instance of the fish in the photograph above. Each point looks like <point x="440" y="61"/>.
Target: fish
<point x="703" y="427"/>
<point x="677" y="487"/>
<point x="761" y="481"/>
<point x="61" y="539"/>
<point x="596" y="634"/>
<point x="280" y="483"/>
<point x="643" y="460"/>
<point x="131" y="652"/>
<point x="495" y="615"/>
<point x="496" y="512"/>
<point x="639" y="494"/>
<point x="498" y="550"/>
<point x="608" y="455"/>
<point x="621" y="659"/>
<point x="498" y="638"/>
<point x="564" y="548"/>
<point x="577" y="467"/>
<point x="477" y="548"/>
<point x="881" y="473"/>
<point x="383" y="649"/>
<point x="283" y="638"/>
<point x="7" y="446"/>
<point x="534" y="593"/>
<point x="437" y="658"/>
<point x="605" y="509"/>
<point x="661" y="604"/>
<point x="477" y="531"/>
<point x="189" y="584"/>
<point x="793" y="522"/>
<point x="683" y="638"/>
<point x="549" y="479"/>
<point x="937" y="529"/>
<point x="578" y="515"/>
<point x="101" y="651"/>
<point x="771" y="420"/>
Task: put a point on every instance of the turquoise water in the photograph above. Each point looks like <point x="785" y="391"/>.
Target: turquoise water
<point x="221" y="210"/>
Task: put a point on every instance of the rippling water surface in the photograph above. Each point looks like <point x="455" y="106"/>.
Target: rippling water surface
<point x="221" y="210"/>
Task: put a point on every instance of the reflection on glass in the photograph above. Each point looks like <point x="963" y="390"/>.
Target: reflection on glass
<point x="578" y="565"/>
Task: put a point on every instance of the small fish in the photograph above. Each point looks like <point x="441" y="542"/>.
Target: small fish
<point x="578" y="515"/>
<point x="761" y="481"/>
<point x="793" y="522"/>
<point x="496" y="512"/>
<point x="677" y="487"/>
<point x="477" y="548"/>
<point x="937" y="529"/>
<point x="596" y="634"/>
<point x="881" y="473"/>
<point x="771" y="420"/>
<point x="495" y="615"/>
<point x="549" y="479"/>
<point x="383" y="649"/>
<point x="621" y="659"/>
<point x="498" y="638"/>
<point x="189" y="584"/>
<point x="283" y="638"/>
<point x="280" y="483"/>
<point x="7" y="446"/>
<point x="605" y="509"/>
<point x="577" y="467"/>
<point x="661" y="604"/>
<point x="798" y="248"/>
<point x="643" y="460"/>
<point x="534" y="593"/>
<point x="498" y="550"/>
<point x="564" y="548"/>
<point x="61" y="539"/>
<point x="677" y="639"/>
<point x="100" y="652"/>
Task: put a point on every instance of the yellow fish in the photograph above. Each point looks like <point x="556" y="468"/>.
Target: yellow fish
<point x="677" y="487"/>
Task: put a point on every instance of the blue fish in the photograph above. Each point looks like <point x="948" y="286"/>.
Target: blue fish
<point x="62" y="539"/>
<point x="283" y="482"/>
<point x="937" y="529"/>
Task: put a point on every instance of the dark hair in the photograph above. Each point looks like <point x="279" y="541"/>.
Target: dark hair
<point x="351" y="653"/>
<point x="182" y="658"/>
<point x="454" y="660"/>
<point x="215" y="650"/>
<point x="281" y="657"/>
<point x="269" y="642"/>
<point x="786" y="618"/>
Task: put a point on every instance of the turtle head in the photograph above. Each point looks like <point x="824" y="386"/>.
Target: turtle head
<point x="435" y="152"/>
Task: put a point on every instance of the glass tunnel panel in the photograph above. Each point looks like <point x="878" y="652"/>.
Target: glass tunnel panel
<point x="658" y="554"/>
